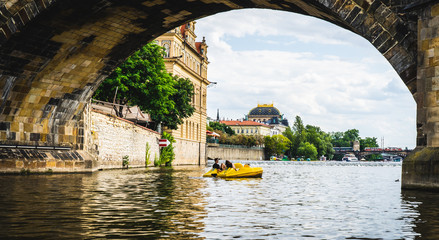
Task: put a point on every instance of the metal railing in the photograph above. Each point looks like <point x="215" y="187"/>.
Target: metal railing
<point x="212" y="140"/>
<point x="240" y="146"/>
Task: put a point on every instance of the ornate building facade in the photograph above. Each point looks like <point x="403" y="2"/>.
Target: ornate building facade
<point x="187" y="58"/>
<point x="268" y="114"/>
<point x="249" y="127"/>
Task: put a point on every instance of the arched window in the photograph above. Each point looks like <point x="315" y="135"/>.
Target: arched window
<point x="167" y="50"/>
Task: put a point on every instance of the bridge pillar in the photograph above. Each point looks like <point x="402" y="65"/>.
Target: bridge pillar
<point x="421" y="168"/>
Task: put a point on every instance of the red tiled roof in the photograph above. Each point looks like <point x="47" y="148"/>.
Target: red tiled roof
<point x="243" y="123"/>
<point x="183" y="30"/>
<point x="198" y="47"/>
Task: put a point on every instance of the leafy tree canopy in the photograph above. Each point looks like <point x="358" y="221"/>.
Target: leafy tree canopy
<point x="307" y="150"/>
<point x="142" y="80"/>
<point x="221" y="127"/>
<point x="345" y="139"/>
<point x="276" y="145"/>
<point x="368" y="142"/>
<point x="312" y="135"/>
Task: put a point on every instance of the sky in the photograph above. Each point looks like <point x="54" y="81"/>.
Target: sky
<point x="329" y="76"/>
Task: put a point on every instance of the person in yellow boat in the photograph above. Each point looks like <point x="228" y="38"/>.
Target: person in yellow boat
<point x="217" y="166"/>
<point x="230" y="164"/>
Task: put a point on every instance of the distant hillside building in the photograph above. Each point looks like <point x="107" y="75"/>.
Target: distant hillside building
<point x="267" y="113"/>
<point x="249" y="127"/>
<point x="188" y="59"/>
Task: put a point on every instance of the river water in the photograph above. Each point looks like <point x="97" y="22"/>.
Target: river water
<point x="300" y="200"/>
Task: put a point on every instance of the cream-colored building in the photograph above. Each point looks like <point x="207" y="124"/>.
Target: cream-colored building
<point x="188" y="59"/>
<point x="267" y="113"/>
<point x="249" y="127"/>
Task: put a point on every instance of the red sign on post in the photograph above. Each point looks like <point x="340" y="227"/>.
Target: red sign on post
<point x="164" y="142"/>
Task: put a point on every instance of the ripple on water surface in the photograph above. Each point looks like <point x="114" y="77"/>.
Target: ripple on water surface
<point x="291" y="201"/>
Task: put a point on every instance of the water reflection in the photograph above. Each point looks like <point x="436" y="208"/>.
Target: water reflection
<point x="291" y="201"/>
<point x="46" y="206"/>
<point x="423" y="209"/>
<point x="158" y="203"/>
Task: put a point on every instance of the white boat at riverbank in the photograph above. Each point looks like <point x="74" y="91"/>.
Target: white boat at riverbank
<point x="349" y="158"/>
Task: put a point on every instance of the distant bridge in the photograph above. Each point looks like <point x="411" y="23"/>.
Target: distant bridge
<point x="368" y="151"/>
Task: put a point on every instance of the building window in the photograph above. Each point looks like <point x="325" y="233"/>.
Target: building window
<point x="167" y="50"/>
<point x="246" y="131"/>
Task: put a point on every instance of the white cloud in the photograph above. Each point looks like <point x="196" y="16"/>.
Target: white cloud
<point x="351" y="88"/>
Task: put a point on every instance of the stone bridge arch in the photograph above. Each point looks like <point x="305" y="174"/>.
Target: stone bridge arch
<point x="54" y="53"/>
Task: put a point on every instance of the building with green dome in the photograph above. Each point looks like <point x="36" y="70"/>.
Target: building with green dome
<point x="268" y="114"/>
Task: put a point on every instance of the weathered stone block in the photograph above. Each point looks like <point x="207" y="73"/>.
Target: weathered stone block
<point x="79" y="164"/>
<point x="51" y="164"/>
<point x="7" y="163"/>
<point x="69" y="164"/>
<point x="420" y="170"/>
<point x="28" y="127"/>
<point x="435" y="10"/>
<point x="60" y="164"/>
<point x="19" y="164"/>
<point x="41" y="164"/>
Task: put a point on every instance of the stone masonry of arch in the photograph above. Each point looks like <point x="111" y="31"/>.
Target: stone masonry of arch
<point x="54" y="53"/>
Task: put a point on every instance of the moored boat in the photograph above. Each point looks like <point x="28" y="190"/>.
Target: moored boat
<point x="350" y="158"/>
<point x="242" y="171"/>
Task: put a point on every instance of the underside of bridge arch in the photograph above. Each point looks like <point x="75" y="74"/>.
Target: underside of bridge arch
<point x="53" y="54"/>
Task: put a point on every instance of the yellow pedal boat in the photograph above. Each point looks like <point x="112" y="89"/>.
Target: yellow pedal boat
<point x="211" y="173"/>
<point x="242" y="171"/>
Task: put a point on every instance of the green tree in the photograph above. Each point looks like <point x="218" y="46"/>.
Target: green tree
<point x="337" y="139"/>
<point x="276" y="145"/>
<point x="345" y="139"/>
<point x="296" y="135"/>
<point x="368" y="142"/>
<point x="351" y="135"/>
<point x="142" y="80"/>
<point x="307" y="150"/>
<point x="288" y="133"/>
<point x="183" y="107"/>
<point x="320" y="139"/>
<point x="222" y="127"/>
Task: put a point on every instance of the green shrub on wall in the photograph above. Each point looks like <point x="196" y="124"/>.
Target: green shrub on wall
<point x="156" y="161"/>
<point x="167" y="154"/>
<point x="125" y="161"/>
<point x="147" y="152"/>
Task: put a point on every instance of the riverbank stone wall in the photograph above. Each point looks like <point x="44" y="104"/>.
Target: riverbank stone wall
<point x="231" y="153"/>
<point x="189" y="152"/>
<point x="111" y="138"/>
